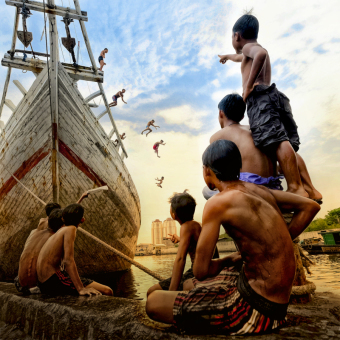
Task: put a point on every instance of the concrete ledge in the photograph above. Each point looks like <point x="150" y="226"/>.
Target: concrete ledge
<point x="41" y="317"/>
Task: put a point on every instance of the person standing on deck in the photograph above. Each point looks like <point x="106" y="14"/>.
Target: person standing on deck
<point x="101" y="58"/>
<point x="119" y="94"/>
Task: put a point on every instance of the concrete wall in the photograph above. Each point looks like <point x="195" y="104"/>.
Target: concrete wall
<point x="224" y="246"/>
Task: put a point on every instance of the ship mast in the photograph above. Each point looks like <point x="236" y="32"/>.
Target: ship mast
<point x="53" y="84"/>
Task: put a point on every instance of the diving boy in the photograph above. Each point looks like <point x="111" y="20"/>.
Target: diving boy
<point x="160" y="181"/>
<point x="182" y="209"/>
<point x="119" y="94"/>
<point x="156" y="146"/>
<point x="271" y="121"/>
<point x="255" y="299"/>
<point x="60" y="248"/>
<point x="257" y="167"/>
<point x="150" y="123"/>
<point x="27" y="275"/>
<point x="101" y="58"/>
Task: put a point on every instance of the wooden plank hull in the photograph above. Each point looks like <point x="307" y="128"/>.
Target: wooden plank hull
<point x="87" y="159"/>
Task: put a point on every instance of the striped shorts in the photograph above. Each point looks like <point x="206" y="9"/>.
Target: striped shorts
<point x="215" y="306"/>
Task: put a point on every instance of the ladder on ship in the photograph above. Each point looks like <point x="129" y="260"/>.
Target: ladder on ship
<point x="75" y="71"/>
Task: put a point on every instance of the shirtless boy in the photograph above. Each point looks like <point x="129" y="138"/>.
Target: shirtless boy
<point x="156" y="146"/>
<point x="257" y="167"/>
<point x="122" y="137"/>
<point x="271" y="121"/>
<point x="148" y="127"/>
<point x="60" y="248"/>
<point x="27" y="275"/>
<point x="119" y="94"/>
<point x="256" y="299"/>
<point x="101" y="58"/>
<point x="182" y="209"/>
<point x="160" y="181"/>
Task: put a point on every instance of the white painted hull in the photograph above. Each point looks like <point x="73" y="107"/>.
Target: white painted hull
<point x="87" y="159"/>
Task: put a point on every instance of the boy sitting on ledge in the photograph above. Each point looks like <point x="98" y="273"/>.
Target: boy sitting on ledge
<point x="60" y="247"/>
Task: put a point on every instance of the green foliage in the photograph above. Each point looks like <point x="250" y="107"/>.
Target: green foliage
<point x="225" y="236"/>
<point x="330" y="221"/>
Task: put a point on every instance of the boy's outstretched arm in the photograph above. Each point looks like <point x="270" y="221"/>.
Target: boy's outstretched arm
<point x="236" y="58"/>
<point x="259" y="55"/>
<point x="204" y="265"/>
<point x="84" y="195"/>
<point x="304" y="209"/>
<point x="180" y="260"/>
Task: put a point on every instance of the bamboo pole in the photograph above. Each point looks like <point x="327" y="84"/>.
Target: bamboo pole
<point x="9" y="70"/>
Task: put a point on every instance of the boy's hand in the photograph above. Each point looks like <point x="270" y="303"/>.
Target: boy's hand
<point x="174" y="238"/>
<point x="248" y="91"/>
<point x="223" y="58"/>
<point x="89" y="291"/>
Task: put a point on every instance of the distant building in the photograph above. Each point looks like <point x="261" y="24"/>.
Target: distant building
<point x="161" y="230"/>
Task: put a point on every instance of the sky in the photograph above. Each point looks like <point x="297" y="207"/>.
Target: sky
<point x="165" y="55"/>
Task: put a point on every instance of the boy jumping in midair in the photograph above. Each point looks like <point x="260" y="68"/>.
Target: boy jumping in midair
<point x="160" y="181"/>
<point x="271" y="121"/>
<point x="156" y="146"/>
<point x="122" y="137"/>
<point x="119" y="94"/>
<point x="101" y="58"/>
<point x="148" y="127"/>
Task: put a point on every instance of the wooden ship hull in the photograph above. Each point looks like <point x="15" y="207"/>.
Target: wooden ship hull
<point x="87" y="159"/>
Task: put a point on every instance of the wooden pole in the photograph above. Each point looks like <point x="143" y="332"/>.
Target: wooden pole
<point x="9" y="70"/>
<point x="94" y="66"/>
<point x="53" y="79"/>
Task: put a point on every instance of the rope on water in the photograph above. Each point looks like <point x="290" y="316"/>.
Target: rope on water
<point x="123" y="256"/>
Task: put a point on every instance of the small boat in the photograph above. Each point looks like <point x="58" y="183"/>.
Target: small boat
<point x="54" y="147"/>
<point x="330" y="244"/>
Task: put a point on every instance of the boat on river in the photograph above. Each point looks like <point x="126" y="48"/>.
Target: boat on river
<point x="54" y="147"/>
<point x="329" y="245"/>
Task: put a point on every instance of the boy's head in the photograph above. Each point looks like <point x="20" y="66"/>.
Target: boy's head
<point x="153" y="120"/>
<point x="123" y="90"/>
<point x="182" y="207"/>
<point x="55" y="221"/>
<point x="246" y="28"/>
<point x="73" y="214"/>
<point x="162" y="177"/>
<point x="106" y="50"/>
<point x="232" y="107"/>
<point x="221" y="162"/>
<point x="161" y="140"/>
<point x="50" y="207"/>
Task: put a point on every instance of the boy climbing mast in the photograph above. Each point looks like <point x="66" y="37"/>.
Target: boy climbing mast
<point x="119" y="94"/>
<point x="101" y="58"/>
<point x="265" y="104"/>
<point x="148" y="127"/>
<point x="160" y="181"/>
<point x="122" y="137"/>
<point x="156" y="146"/>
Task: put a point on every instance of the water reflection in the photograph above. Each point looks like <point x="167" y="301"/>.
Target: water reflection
<point x="133" y="284"/>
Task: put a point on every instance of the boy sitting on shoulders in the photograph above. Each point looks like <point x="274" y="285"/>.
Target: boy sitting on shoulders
<point x="182" y="209"/>
<point x="60" y="248"/>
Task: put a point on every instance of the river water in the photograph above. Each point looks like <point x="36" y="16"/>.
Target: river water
<point x="135" y="283"/>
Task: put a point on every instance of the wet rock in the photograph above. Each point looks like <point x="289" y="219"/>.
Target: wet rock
<point x="44" y="317"/>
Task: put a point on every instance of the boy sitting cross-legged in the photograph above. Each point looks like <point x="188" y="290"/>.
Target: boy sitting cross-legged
<point x="60" y="248"/>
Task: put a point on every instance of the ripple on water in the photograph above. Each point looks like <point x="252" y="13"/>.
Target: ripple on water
<point x="134" y="284"/>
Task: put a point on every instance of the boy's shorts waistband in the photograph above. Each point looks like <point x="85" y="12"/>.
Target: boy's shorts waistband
<point x="276" y="311"/>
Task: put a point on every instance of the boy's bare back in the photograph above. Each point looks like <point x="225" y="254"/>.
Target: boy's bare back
<point x="52" y="253"/>
<point x="253" y="160"/>
<point x="250" y="215"/>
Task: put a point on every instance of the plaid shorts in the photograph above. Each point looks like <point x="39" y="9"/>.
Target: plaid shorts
<point x="215" y="306"/>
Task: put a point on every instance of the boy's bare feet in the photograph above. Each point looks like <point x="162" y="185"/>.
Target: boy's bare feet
<point x="314" y="194"/>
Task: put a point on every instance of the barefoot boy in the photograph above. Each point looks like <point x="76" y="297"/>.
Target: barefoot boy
<point x="60" y="248"/>
<point x="148" y="127"/>
<point x="182" y="209"/>
<point x="160" y="181"/>
<point x="122" y="137"/>
<point x="101" y="58"/>
<point x="256" y="299"/>
<point x="267" y="108"/>
<point x="257" y="167"/>
<point x="119" y="94"/>
<point x="156" y="146"/>
<point x="27" y="275"/>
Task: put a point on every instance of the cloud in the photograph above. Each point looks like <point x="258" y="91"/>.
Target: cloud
<point x="294" y="28"/>
<point x="319" y="49"/>
<point x="183" y="115"/>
